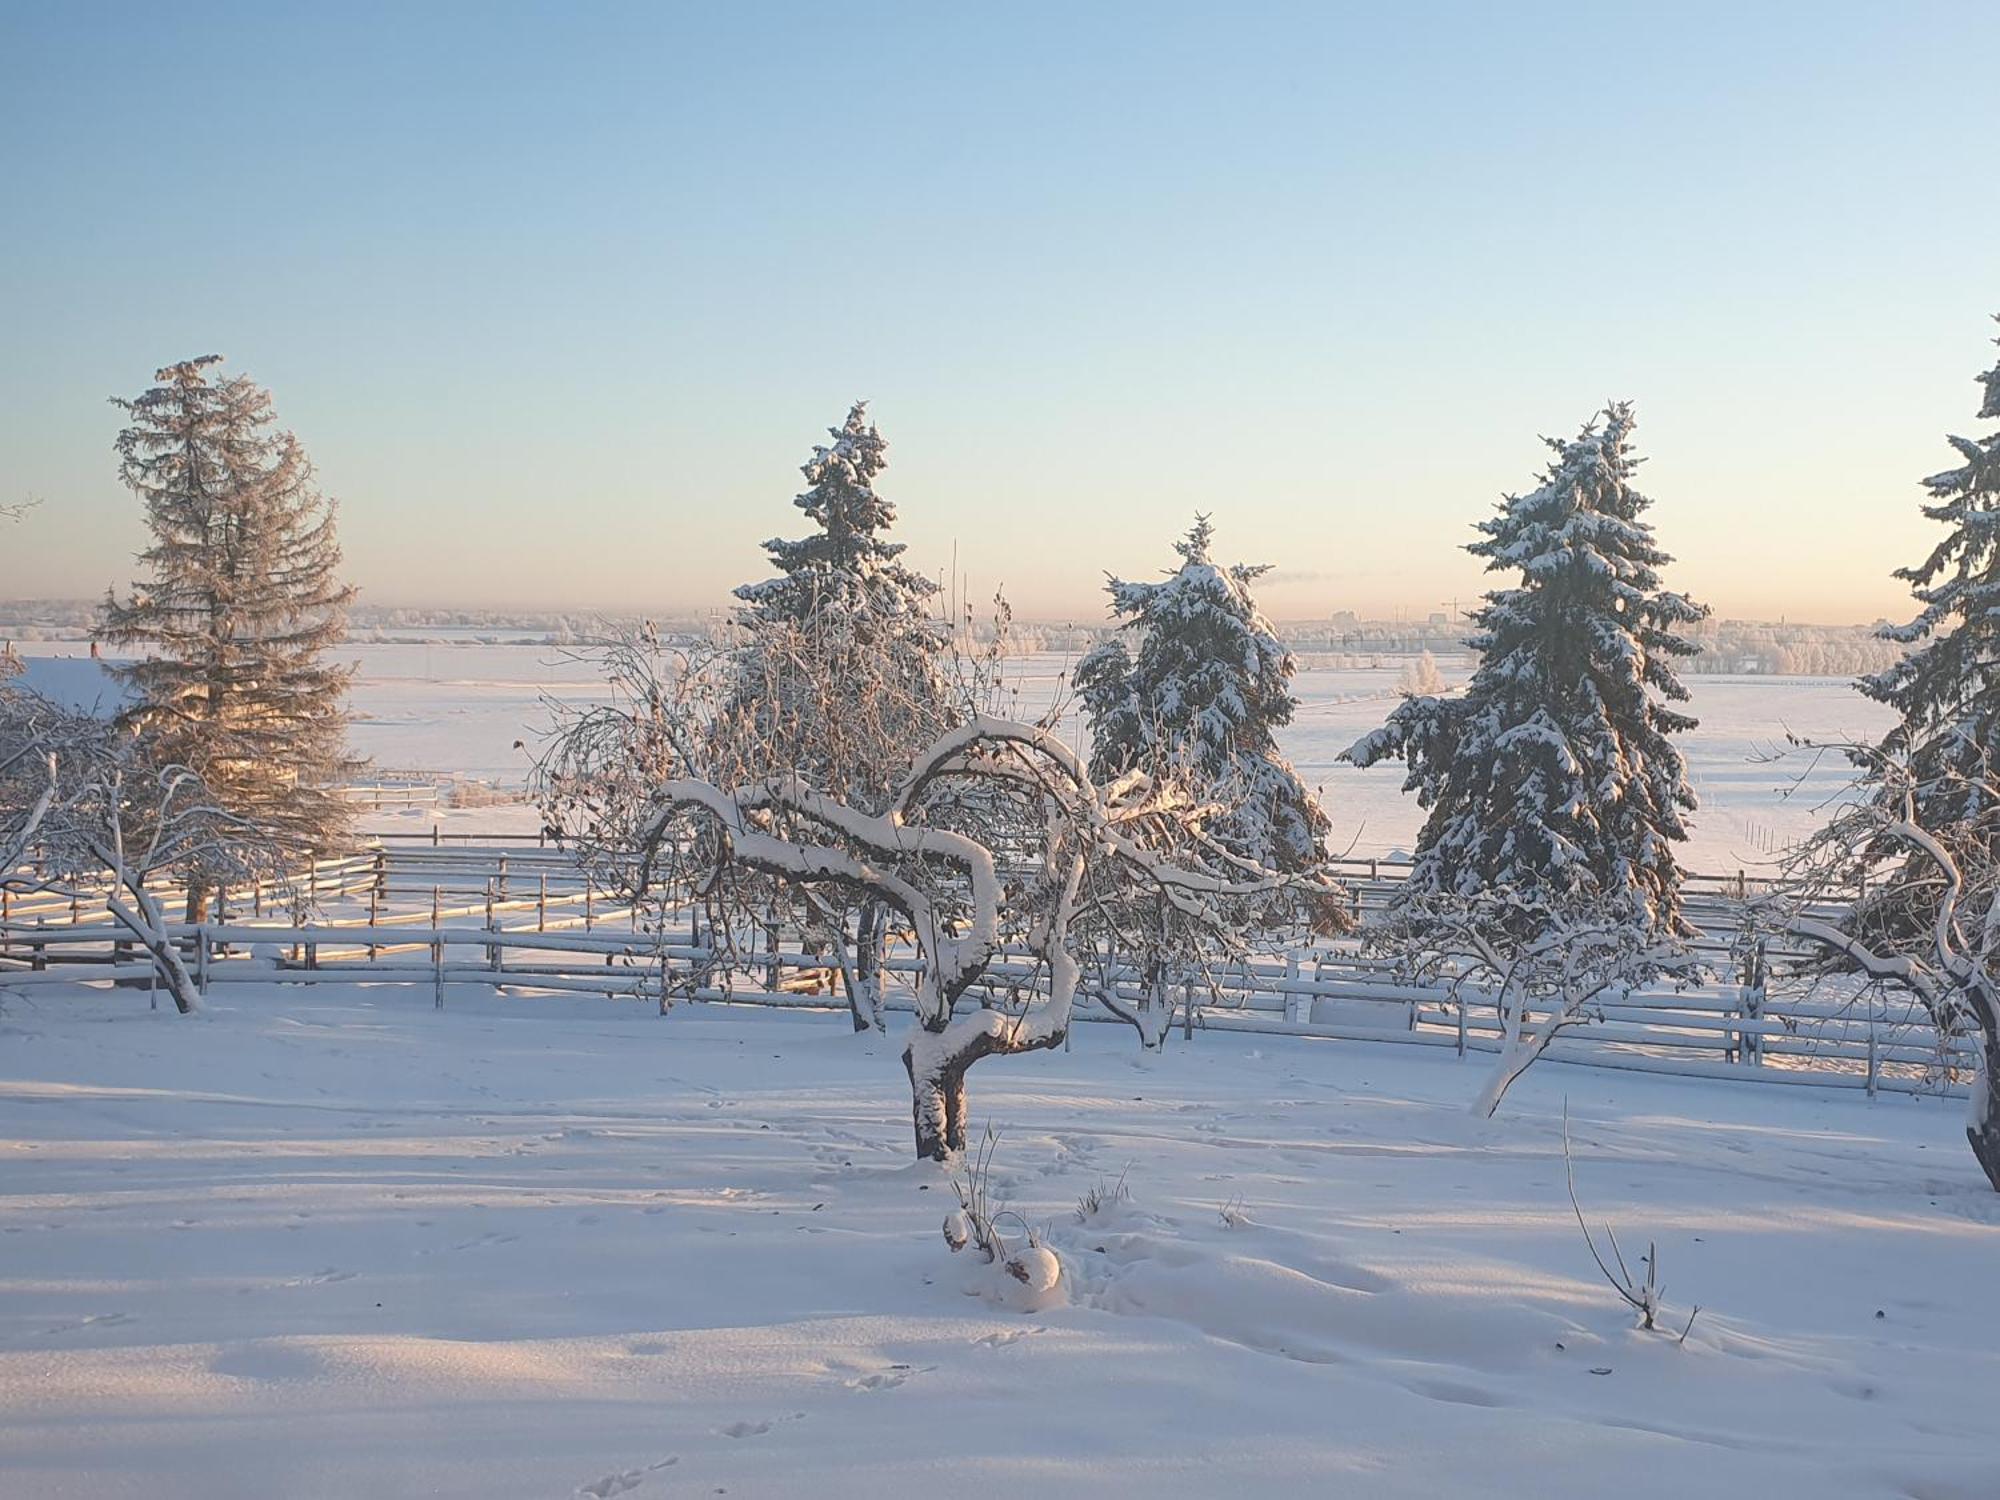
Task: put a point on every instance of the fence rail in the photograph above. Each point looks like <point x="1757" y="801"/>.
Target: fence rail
<point x="522" y="915"/>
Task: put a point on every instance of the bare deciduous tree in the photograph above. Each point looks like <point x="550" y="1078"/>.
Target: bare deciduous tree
<point x="1544" y="967"/>
<point x="996" y="840"/>
<point x="1930" y="924"/>
<point x="85" y="812"/>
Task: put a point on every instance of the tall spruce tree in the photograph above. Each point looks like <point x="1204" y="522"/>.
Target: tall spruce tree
<point x="1202" y="686"/>
<point x="840" y="674"/>
<point x="1555" y="775"/>
<point x="238" y="608"/>
<point x="1947" y="691"/>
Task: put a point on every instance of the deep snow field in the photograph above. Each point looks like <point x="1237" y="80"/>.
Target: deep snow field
<point x="461" y="707"/>
<point x="333" y="1243"/>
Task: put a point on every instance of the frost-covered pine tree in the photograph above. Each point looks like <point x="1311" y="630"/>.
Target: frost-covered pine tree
<point x="840" y="672"/>
<point x="1555" y="775"/>
<point x="846" y="566"/>
<point x="1197" y="680"/>
<point x="1947" y="690"/>
<point x="240" y="603"/>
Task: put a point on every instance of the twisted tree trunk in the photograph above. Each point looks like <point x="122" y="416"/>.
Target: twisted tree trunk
<point x="1982" y="1129"/>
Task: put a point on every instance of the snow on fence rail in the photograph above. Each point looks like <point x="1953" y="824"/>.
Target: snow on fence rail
<point x="522" y="916"/>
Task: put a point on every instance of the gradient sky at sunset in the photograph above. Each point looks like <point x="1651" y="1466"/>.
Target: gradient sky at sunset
<point x="559" y="297"/>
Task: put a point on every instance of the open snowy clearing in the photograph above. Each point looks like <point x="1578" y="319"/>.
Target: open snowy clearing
<point x="333" y="1243"/>
<point x="463" y="707"/>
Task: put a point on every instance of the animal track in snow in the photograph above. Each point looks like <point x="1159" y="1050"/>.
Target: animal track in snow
<point x="624" y="1479"/>
<point x="1005" y="1337"/>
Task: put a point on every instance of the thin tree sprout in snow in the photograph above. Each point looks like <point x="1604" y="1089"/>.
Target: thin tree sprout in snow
<point x="238" y="607"/>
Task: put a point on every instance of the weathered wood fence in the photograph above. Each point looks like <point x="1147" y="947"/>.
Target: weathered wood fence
<point x="522" y="917"/>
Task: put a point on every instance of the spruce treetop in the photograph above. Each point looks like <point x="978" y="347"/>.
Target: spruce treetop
<point x="1948" y="689"/>
<point x="847" y="565"/>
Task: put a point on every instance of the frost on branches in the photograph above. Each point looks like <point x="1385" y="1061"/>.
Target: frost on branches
<point x="1555" y="775"/>
<point x="238" y="607"/>
<point x="1947" y="690"/>
<point x="1934" y="926"/>
<point x="1198" y="680"/>
<point x="1544" y="969"/>
<point x="995" y="853"/>
<point x="86" y="812"/>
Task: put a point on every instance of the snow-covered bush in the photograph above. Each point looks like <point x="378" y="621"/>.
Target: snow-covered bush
<point x="981" y="1222"/>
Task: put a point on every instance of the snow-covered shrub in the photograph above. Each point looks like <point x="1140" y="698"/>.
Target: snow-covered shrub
<point x="981" y="1222"/>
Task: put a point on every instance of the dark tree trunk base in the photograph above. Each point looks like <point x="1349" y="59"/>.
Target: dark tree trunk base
<point x="1984" y="1130"/>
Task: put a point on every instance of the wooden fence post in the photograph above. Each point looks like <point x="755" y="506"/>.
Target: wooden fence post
<point x="437" y="948"/>
<point x="503" y="877"/>
<point x="492" y="949"/>
<point x="771" y="948"/>
<point x="542" y="904"/>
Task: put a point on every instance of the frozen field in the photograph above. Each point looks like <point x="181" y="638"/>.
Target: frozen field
<point x="461" y="708"/>
<point x="332" y="1244"/>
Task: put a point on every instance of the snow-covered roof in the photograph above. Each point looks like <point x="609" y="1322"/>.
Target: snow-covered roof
<point x="83" y="684"/>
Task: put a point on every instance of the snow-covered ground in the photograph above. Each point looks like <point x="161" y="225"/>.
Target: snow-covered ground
<point x="332" y="1243"/>
<point x="461" y="707"/>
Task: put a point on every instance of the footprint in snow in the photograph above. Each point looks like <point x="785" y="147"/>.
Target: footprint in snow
<point x="886" y="1380"/>
<point x="1007" y="1336"/>
<point x="623" y="1480"/>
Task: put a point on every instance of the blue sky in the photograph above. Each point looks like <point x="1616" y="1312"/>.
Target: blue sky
<point x="559" y="297"/>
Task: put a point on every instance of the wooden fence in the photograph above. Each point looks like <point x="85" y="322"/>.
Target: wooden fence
<point x="522" y="916"/>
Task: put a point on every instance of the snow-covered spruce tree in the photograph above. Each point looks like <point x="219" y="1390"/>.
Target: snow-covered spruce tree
<point x="1201" y="686"/>
<point x="1190" y="690"/>
<point x="1947" y="690"/>
<point x="1555" y="774"/>
<point x="236" y="613"/>
<point x="839" y="678"/>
